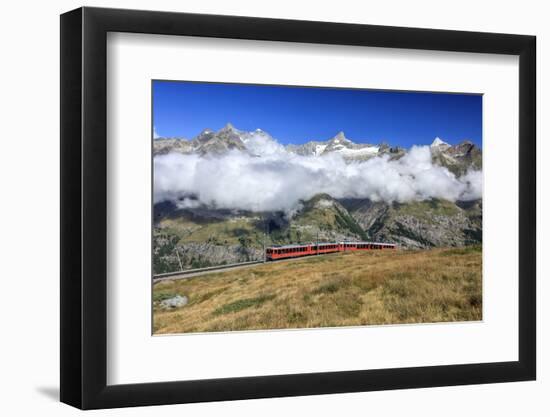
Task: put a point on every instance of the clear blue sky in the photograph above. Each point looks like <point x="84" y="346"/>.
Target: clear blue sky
<point x="299" y="114"/>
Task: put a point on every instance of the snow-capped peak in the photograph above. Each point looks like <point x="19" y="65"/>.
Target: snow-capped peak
<point x="340" y="137"/>
<point x="229" y="126"/>
<point x="438" y="142"/>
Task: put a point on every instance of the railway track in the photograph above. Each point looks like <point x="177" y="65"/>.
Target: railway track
<point x="190" y="273"/>
<point x="202" y="271"/>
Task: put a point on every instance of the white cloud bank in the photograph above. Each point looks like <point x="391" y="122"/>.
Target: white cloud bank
<point x="278" y="180"/>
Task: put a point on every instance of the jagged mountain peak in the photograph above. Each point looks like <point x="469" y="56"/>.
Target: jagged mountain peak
<point x="466" y="142"/>
<point x="340" y="137"/>
<point x="204" y="136"/>
<point x="229" y="128"/>
<point x="465" y="146"/>
<point x="439" y="142"/>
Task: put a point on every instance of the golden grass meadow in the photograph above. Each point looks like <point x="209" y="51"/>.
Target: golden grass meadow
<point x="343" y="289"/>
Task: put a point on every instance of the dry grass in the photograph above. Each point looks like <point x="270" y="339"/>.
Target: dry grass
<point x="346" y="289"/>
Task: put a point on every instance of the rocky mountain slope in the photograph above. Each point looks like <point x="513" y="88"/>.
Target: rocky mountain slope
<point x="420" y="224"/>
<point x="205" y="237"/>
<point x="201" y="237"/>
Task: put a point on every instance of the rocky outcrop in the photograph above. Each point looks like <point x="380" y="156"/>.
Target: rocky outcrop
<point x="459" y="158"/>
<point x="174" y="302"/>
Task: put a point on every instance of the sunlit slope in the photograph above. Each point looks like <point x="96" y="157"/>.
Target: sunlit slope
<point x="346" y="289"/>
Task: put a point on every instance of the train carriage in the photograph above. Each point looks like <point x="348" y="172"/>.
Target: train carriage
<point x="273" y="253"/>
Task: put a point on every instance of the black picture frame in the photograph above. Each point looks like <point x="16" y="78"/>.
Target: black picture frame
<point x="84" y="207"/>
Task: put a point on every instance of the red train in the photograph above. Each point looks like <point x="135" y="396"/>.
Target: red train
<point x="294" y="251"/>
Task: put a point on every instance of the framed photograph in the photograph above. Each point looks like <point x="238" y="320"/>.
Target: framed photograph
<point x="257" y="208"/>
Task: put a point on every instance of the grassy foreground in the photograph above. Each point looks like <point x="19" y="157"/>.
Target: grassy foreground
<point x="345" y="289"/>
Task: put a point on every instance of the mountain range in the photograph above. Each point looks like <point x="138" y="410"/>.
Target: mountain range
<point x="203" y="236"/>
<point x="458" y="159"/>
